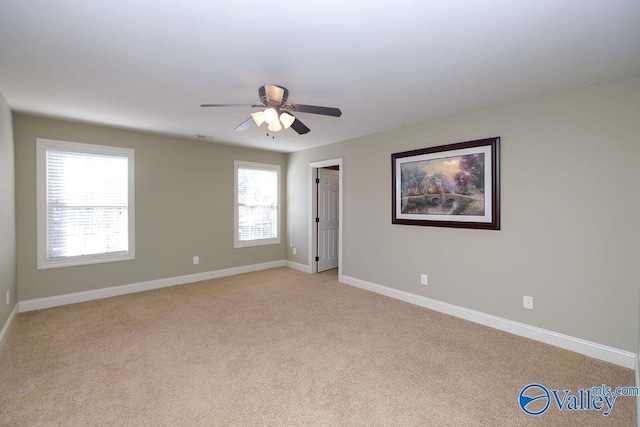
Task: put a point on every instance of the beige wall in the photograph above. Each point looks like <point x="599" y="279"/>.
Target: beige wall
<point x="7" y="214"/>
<point x="570" y="212"/>
<point x="184" y="207"/>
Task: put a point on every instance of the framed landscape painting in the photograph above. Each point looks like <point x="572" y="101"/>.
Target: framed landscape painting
<point x="455" y="185"/>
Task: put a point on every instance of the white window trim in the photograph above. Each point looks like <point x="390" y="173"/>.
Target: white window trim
<point x="236" y="223"/>
<point x="42" y="145"/>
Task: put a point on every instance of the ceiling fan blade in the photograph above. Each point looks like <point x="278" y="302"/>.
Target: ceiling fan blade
<point x="325" y="111"/>
<point x="299" y="127"/>
<point x="245" y="125"/>
<point x="273" y="94"/>
<point x="231" y="105"/>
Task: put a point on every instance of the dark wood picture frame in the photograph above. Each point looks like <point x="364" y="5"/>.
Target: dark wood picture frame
<point x="455" y="185"/>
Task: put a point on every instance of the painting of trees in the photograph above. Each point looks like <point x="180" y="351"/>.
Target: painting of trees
<point x="412" y="177"/>
<point x="471" y="174"/>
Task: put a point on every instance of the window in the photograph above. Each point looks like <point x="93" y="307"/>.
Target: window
<point x="85" y="203"/>
<point x="256" y="204"/>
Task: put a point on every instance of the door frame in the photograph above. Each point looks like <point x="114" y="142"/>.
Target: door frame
<point x="313" y="205"/>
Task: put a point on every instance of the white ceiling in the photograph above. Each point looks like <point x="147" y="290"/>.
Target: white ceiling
<point x="149" y="64"/>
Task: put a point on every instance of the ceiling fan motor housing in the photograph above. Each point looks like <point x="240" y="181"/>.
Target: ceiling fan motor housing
<point x="273" y="95"/>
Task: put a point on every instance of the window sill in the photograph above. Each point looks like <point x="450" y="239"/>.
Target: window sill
<point x="84" y="260"/>
<point x="257" y="242"/>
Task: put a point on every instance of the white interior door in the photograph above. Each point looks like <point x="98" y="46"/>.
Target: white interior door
<point x="327" y="218"/>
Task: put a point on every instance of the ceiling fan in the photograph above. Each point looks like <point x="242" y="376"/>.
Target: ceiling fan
<point x="276" y="112"/>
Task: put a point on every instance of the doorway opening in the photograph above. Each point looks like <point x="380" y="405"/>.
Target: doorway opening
<point x="325" y="225"/>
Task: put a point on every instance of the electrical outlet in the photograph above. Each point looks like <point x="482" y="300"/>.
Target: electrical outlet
<point x="423" y="279"/>
<point x="527" y="302"/>
<point x="196" y="260"/>
<point x="8" y="297"/>
<point x="295" y="251"/>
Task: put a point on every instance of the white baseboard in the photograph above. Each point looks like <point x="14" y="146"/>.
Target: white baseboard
<point x="298" y="266"/>
<point x="7" y="324"/>
<point x="588" y="348"/>
<point x="58" y="300"/>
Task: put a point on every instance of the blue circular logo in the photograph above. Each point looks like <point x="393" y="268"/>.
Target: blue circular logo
<point x="534" y="397"/>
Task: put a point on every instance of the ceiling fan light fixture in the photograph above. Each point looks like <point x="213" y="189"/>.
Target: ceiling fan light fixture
<point x="287" y="120"/>
<point x="258" y="117"/>
<point x="275" y="126"/>
<point x="270" y="115"/>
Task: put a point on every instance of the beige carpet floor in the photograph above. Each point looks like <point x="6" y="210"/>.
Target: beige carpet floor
<point x="280" y="347"/>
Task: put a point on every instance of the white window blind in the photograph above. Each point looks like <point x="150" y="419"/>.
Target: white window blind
<point x="257" y="197"/>
<point x="87" y="202"/>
